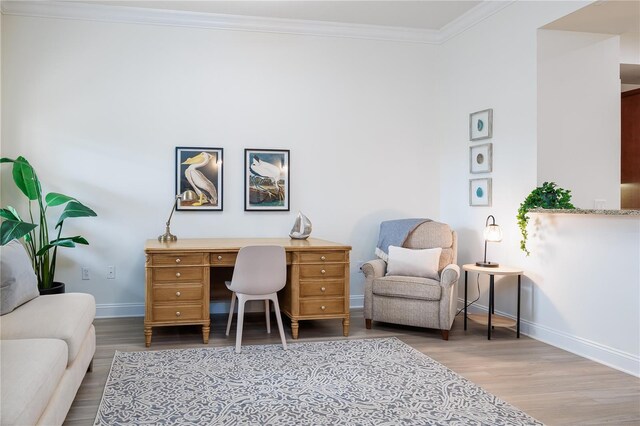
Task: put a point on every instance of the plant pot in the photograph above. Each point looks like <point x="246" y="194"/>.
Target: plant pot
<point x="56" y="288"/>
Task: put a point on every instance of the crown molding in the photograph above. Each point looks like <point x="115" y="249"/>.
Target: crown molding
<point x="474" y="16"/>
<point x="135" y="15"/>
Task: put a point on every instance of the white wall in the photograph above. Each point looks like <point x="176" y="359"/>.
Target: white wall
<point x="494" y="65"/>
<point x="630" y="47"/>
<point x="579" y="115"/>
<point x="99" y="107"/>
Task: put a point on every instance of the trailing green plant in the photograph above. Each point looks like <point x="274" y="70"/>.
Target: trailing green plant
<point x="41" y="249"/>
<point x="547" y="196"/>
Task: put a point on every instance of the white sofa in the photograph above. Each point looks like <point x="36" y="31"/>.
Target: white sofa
<point x="47" y="344"/>
<point x="46" y="347"/>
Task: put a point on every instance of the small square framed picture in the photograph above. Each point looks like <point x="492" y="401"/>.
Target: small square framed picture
<point x="481" y="125"/>
<point x="481" y="158"/>
<point x="480" y="192"/>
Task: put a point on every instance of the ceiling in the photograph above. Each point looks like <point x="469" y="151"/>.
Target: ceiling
<point x="604" y="17"/>
<point x="425" y="15"/>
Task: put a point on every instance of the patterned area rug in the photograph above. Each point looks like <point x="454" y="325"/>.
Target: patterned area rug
<point x="347" y="382"/>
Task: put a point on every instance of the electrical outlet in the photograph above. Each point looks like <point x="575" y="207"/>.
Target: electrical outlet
<point x="111" y="272"/>
<point x="599" y="204"/>
<point x="85" y="273"/>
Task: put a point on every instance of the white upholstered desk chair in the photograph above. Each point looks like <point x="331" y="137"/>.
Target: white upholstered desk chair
<point x="260" y="272"/>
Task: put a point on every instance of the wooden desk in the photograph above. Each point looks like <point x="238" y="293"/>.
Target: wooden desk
<point x="181" y="274"/>
<point x="492" y="320"/>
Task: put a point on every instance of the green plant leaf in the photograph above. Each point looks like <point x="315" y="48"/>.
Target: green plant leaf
<point x="12" y="229"/>
<point x="8" y="214"/>
<point x="55" y="199"/>
<point x="75" y="209"/>
<point x="25" y="179"/>
<point x="62" y="242"/>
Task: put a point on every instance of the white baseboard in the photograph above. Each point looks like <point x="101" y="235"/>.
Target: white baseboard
<point x="116" y="310"/>
<point x="585" y="348"/>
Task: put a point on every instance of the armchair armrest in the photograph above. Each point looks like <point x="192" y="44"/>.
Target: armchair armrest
<point x="374" y="268"/>
<point x="450" y="275"/>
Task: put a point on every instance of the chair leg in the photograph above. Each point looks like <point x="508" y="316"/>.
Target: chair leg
<point x="276" y="308"/>
<point x="241" y="302"/>
<point x="367" y="324"/>
<point x="267" y="314"/>
<point x="233" y="302"/>
<point x="445" y="334"/>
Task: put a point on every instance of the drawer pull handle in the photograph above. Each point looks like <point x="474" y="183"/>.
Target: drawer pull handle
<point x="219" y="257"/>
<point x="322" y="289"/>
<point x="323" y="307"/>
<point x="178" y="313"/>
<point x="178" y="274"/>
<point x="323" y="258"/>
<point x="178" y="294"/>
<point x="178" y="260"/>
<point x="323" y="271"/>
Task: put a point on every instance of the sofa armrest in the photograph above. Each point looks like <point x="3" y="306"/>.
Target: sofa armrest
<point x="374" y="268"/>
<point x="450" y="275"/>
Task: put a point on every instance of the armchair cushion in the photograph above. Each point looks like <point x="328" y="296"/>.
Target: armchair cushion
<point x="407" y="287"/>
<point x="414" y="262"/>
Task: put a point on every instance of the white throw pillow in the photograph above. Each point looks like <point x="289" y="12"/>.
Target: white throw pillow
<point x="414" y="262"/>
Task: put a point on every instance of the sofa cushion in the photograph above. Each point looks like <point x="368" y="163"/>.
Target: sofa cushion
<point x="58" y="316"/>
<point x="407" y="287"/>
<point x="18" y="282"/>
<point x="31" y="371"/>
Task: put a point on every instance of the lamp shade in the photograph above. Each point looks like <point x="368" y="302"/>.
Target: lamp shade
<point x="492" y="233"/>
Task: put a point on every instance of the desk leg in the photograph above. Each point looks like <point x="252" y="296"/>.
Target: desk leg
<point x="294" y="328"/>
<point x="465" y="299"/>
<point x="345" y="327"/>
<point x="205" y="333"/>
<point x="490" y="306"/>
<point x="518" y="324"/>
<point x="147" y="335"/>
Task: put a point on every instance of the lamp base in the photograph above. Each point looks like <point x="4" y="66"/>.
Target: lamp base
<point x="167" y="236"/>
<point x="488" y="264"/>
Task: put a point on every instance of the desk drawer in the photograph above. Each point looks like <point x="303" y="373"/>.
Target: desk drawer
<point x="164" y="293"/>
<point x="321" y="307"/>
<point x="322" y="256"/>
<point x="177" y="259"/>
<point x="330" y="270"/>
<point x="322" y="288"/>
<point x="192" y="273"/>
<point x="223" y="259"/>
<point x="177" y="313"/>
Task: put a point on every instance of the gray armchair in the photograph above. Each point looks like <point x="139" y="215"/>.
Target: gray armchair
<point x="416" y="301"/>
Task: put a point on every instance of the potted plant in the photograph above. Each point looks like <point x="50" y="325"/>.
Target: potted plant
<point x="42" y="250"/>
<point x="547" y="196"/>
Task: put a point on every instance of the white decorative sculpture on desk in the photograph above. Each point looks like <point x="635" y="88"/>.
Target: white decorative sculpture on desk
<point x="301" y="228"/>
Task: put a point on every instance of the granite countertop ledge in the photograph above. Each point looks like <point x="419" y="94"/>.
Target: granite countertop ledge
<point x="589" y="211"/>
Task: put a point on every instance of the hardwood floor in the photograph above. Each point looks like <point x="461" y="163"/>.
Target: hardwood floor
<point x="554" y="386"/>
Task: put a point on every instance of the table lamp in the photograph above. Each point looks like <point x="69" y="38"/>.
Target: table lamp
<point x="168" y="236"/>
<point x="492" y="232"/>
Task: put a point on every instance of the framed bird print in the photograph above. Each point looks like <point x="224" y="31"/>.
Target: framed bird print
<point x="198" y="178"/>
<point x="266" y="180"/>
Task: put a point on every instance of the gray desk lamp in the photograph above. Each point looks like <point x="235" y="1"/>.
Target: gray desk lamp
<point x="492" y="232"/>
<point x="168" y="236"/>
